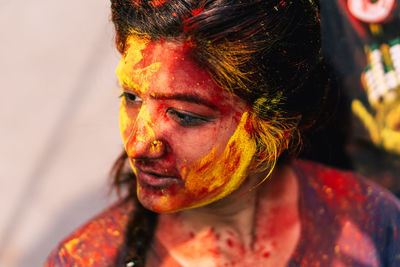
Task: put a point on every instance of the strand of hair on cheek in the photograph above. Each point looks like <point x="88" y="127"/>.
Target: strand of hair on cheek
<point x="273" y="138"/>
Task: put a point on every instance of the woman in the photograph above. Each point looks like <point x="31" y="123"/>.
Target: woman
<point x="215" y="93"/>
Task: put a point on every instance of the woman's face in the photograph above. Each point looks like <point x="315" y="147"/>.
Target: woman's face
<point x="187" y="139"/>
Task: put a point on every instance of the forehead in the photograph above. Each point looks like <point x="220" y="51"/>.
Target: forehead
<point x="166" y="67"/>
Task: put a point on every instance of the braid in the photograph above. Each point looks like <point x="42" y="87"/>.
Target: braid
<point x="141" y="223"/>
<point x="138" y="236"/>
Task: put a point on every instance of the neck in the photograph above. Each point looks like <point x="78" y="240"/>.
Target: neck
<point x="237" y="212"/>
<point x="259" y="222"/>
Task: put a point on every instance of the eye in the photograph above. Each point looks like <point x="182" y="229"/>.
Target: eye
<point x="186" y="119"/>
<point x="131" y="98"/>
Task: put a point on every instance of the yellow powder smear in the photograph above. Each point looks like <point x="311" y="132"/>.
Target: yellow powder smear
<point x="146" y="132"/>
<point x="130" y="129"/>
<point x="71" y="245"/>
<point x="138" y="79"/>
<point x="124" y="120"/>
<point x="226" y="172"/>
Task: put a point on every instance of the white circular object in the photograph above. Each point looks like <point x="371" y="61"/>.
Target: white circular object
<point x="369" y="12"/>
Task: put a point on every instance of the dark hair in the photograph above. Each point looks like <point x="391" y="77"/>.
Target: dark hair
<point x="268" y="52"/>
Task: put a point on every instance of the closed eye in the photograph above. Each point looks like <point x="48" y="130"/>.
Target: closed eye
<point x="187" y="119"/>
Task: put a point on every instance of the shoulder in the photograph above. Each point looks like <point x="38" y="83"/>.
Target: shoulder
<point x="340" y="187"/>
<point x="97" y="241"/>
<point x="367" y="216"/>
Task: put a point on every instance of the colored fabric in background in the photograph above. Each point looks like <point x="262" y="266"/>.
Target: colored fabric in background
<point x="363" y="47"/>
<point x="361" y="217"/>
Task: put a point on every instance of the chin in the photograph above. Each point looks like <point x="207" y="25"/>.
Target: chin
<point x="159" y="200"/>
<point x="157" y="207"/>
<point x="169" y="201"/>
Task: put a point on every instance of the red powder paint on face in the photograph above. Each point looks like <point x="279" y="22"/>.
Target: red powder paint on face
<point x="248" y="127"/>
<point x="231" y="167"/>
<point x="150" y="190"/>
<point x="173" y="189"/>
<point x="232" y="145"/>
<point x="237" y="117"/>
<point x="205" y="166"/>
<point x="183" y="194"/>
<point x="266" y="254"/>
<point x="161" y="111"/>
<point x="191" y="234"/>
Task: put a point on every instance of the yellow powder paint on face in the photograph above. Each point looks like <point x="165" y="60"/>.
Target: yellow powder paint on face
<point x="206" y="180"/>
<point x="156" y="146"/>
<point x="138" y="79"/>
<point x="128" y="123"/>
<point x="221" y="175"/>
<point x="138" y="126"/>
<point x="125" y="122"/>
<point x="128" y="75"/>
<point x="145" y="125"/>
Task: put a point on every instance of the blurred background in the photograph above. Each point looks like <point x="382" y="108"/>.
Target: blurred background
<point x="59" y="130"/>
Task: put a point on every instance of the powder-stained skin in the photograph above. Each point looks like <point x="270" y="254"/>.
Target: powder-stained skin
<point x="188" y="140"/>
<point x="362" y="217"/>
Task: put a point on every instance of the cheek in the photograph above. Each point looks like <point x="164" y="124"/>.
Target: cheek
<point x="197" y="144"/>
<point x="218" y="174"/>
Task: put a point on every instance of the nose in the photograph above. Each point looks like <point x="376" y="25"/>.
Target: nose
<point x="144" y="141"/>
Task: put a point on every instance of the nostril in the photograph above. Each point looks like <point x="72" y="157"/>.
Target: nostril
<point x="146" y="150"/>
<point x="157" y="146"/>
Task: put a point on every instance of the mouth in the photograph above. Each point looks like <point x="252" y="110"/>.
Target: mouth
<point x="155" y="179"/>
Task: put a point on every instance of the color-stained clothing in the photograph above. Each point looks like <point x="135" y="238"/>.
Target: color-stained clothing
<point x="345" y="221"/>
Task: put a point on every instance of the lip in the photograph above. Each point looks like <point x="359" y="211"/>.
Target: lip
<point x="149" y="178"/>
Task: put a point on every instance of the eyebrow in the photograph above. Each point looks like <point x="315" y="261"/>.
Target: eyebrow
<point x="191" y="98"/>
